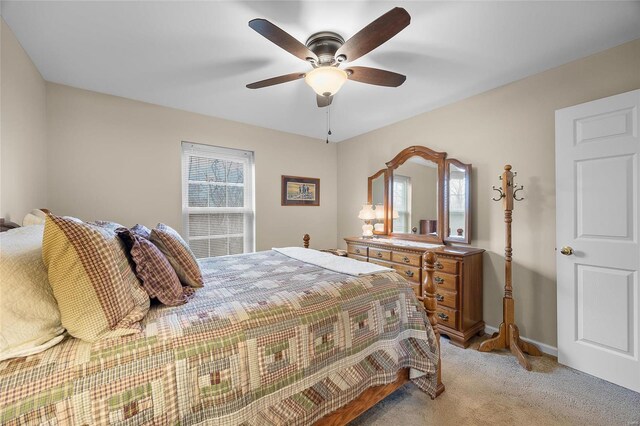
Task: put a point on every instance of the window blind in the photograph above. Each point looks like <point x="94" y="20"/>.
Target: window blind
<point x="218" y="200"/>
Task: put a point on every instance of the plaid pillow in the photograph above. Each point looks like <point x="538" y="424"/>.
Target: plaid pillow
<point x="153" y="269"/>
<point x="111" y="226"/>
<point x="142" y="231"/>
<point x="97" y="292"/>
<point x="178" y="253"/>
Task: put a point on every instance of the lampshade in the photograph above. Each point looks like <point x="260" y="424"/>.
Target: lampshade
<point x="379" y="212"/>
<point x="367" y="212"/>
<point x="395" y="214"/>
<point x="326" y="81"/>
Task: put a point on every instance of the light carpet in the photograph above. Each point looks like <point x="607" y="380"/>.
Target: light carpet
<point x="493" y="389"/>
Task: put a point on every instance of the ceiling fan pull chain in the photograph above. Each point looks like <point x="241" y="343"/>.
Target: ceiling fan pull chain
<point x="328" y="123"/>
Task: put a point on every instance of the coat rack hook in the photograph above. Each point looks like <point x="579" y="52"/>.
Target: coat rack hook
<point x="515" y="191"/>
<point x="501" y="194"/>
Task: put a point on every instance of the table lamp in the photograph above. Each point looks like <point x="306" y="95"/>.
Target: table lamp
<point x="379" y="226"/>
<point x="367" y="214"/>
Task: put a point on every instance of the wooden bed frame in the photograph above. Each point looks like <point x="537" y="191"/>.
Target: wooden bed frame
<point x="375" y="394"/>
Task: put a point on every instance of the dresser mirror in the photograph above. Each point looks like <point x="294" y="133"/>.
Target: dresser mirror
<point x="416" y="192"/>
<point x="457" y="189"/>
<point x="377" y="197"/>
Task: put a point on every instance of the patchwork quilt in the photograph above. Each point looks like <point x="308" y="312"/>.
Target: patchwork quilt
<point x="268" y="340"/>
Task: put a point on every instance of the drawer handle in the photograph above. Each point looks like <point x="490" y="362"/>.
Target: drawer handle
<point x="406" y="259"/>
<point x="379" y="254"/>
<point x="409" y="273"/>
<point x="358" y="251"/>
<point x="439" y="265"/>
<point x="438" y="280"/>
<point x="443" y="317"/>
<point x="439" y="297"/>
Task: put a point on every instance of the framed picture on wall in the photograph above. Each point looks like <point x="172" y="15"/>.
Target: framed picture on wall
<point x="300" y="191"/>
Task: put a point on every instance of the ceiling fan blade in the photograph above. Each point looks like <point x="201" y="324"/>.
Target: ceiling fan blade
<point x="374" y="34"/>
<point x="276" y="80"/>
<point x="375" y="76"/>
<point x="323" y="101"/>
<point x="283" y="39"/>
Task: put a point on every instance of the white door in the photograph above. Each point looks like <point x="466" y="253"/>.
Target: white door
<point x="597" y="180"/>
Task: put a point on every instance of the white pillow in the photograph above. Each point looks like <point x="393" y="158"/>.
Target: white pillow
<point x="35" y="217"/>
<point x="29" y="315"/>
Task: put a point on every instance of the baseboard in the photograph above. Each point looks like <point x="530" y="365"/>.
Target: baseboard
<point x="547" y="349"/>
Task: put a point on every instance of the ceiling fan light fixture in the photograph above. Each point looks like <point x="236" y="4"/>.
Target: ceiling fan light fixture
<point x="326" y="81"/>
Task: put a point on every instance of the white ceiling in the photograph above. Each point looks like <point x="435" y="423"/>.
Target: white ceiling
<point x="198" y="56"/>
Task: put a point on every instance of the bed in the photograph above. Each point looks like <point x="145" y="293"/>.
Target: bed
<point x="269" y="340"/>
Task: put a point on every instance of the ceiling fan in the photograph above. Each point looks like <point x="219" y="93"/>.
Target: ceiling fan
<point x="326" y="51"/>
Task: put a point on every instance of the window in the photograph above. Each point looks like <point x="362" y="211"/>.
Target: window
<point x="457" y="186"/>
<point x="402" y="203"/>
<point x="217" y="200"/>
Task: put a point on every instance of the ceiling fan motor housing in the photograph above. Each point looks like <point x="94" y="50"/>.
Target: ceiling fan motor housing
<point x="325" y="44"/>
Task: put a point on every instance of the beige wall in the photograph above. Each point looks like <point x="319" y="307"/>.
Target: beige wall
<point x="23" y="153"/>
<point x="511" y="124"/>
<point x="118" y="159"/>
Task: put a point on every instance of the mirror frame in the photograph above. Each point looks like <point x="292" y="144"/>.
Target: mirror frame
<point x="385" y="196"/>
<point x="398" y="160"/>
<point x="466" y="239"/>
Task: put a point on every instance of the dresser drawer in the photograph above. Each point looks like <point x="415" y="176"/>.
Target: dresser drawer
<point x="447" y="298"/>
<point x="355" y="256"/>
<point x="357" y="249"/>
<point x="381" y="262"/>
<point x="407" y="258"/>
<point x="447" y="265"/>
<point x="411" y="273"/>
<point x="447" y="317"/>
<point x="445" y="281"/>
<point x="380" y="254"/>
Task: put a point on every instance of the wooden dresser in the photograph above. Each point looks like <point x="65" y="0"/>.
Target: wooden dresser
<point x="458" y="279"/>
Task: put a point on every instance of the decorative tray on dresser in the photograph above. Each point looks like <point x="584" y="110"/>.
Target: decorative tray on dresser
<point x="458" y="278"/>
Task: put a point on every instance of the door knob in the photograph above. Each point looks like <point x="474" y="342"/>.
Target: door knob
<point x="566" y="250"/>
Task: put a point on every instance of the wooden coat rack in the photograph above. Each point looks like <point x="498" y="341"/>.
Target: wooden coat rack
<point x="508" y="336"/>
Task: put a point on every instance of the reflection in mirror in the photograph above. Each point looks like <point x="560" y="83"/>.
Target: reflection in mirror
<point x="457" y="207"/>
<point x="415" y="197"/>
<point x="377" y="198"/>
<point x="377" y="190"/>
<point x="457" y="201"/>
<point x="378" y="227"/>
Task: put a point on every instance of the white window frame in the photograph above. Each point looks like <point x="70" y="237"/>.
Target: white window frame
<point x="221" y="153"/>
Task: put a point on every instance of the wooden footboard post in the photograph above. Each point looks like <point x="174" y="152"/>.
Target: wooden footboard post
<point x="431" y="305"/>
<point x="306" y="240"/>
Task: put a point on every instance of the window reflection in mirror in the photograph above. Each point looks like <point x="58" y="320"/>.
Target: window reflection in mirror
<point x="457" y="201"/>
<point x="377" y="190"/>
<point x="415" y="197"/>
<point x="401" y="203"/>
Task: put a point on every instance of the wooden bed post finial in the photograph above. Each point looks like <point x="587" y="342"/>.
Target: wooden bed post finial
<point x="306" y="240"/>
<point x="431" y="305"/>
